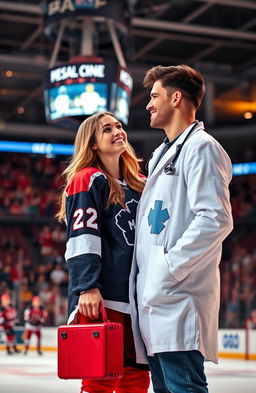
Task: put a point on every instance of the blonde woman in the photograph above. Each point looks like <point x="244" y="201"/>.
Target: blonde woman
<point x="99" y="203"/>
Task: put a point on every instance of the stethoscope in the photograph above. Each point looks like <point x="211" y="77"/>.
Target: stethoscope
<point x="169" y="168"/>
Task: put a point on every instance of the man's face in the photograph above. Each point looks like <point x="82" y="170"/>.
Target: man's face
<point x="160" y="106"/>
<point x="36" y="302"/>
<point x="89" y="88"/>
<point x="5" y="300"/>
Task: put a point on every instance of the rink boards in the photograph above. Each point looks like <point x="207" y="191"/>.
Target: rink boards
<point x="233" y="343"/>
<point x="237" y="343"/>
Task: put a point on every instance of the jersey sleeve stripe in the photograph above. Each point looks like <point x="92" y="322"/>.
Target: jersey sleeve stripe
<point x="83" y="181"/>
<point x="83" y="244"/>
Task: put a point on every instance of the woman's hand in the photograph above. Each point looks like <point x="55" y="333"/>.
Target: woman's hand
<point x="89" y="303"/>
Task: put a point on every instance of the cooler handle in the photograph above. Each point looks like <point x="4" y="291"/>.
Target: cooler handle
<point x="103" y="313"/>
<point x="79" y="317"/>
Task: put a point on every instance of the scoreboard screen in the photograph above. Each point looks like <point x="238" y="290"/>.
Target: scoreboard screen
<point x="81" y="89"/>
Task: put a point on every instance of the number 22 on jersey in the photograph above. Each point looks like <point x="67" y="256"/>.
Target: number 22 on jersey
<point x="90" y="222"/>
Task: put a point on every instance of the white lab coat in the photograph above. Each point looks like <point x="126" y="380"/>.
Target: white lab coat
<point x="182" y="220"/>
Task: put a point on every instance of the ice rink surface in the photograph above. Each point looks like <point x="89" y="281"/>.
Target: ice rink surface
<point x="37" y="374"/>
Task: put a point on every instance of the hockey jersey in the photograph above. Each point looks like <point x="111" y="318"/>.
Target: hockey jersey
<point x="99" y="240"/>
<point x="34" y="317"/>
<point x="8" y="317"/>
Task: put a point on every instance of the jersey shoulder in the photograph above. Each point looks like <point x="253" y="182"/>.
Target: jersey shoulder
<point x="142" y="177"/>
<point x="83" y="180"/>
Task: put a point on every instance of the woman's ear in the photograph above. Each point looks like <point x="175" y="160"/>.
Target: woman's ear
<point x="94" y="146"/>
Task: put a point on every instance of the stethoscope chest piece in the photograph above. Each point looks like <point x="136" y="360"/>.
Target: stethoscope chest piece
<point x="169" y="168"/>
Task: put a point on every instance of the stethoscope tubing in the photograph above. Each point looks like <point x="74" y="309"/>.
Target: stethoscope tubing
<point x="169" y="168"/>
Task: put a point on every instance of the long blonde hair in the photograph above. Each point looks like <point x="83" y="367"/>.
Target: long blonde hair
<point x="84" y="156"/>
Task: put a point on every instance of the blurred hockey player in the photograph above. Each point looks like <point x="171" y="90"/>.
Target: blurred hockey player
<point x="34" y="316"/>
<point x="8" y="319"/>
<point x="62" y="102"/>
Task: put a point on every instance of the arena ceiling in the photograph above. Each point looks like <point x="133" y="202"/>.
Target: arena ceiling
<point x="217" y="37"/>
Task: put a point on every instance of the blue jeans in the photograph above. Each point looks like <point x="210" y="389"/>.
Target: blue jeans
<point x="178" y="372"/>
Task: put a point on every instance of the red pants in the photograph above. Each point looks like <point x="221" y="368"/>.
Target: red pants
<point x="134" y="379"/>
<point x="28" y="333"/>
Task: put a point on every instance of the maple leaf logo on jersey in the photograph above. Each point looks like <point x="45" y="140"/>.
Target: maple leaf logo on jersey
<point x="125" y="220"/>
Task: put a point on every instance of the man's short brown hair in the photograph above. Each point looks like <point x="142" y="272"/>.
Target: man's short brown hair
<point x="182" y="77"/>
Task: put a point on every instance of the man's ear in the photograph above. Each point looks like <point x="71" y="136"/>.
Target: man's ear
<point x="176" y="96"/>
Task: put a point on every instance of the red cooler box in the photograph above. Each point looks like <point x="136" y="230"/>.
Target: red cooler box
<point x="90" y="351"/>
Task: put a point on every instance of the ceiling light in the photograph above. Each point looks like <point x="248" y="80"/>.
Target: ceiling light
<point x="248" y="115"/>
<point x="20" y="110"/>
<point x="9" y="73"/>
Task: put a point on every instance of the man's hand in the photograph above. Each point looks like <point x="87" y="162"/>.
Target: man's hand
<point x="89" y="303"/>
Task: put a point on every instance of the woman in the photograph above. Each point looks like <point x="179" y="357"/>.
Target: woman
<point x="99" y="204"/>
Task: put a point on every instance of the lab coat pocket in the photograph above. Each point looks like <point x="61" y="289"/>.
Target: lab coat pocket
<point x="159" y="281"/>
<point x="167" y="186"/>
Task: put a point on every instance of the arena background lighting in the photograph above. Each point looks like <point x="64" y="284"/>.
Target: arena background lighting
<point x="239" y="169"/>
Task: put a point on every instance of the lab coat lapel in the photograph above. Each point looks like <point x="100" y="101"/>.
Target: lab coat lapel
<point x="154" y="159"/>
<point x="168" y="156"/>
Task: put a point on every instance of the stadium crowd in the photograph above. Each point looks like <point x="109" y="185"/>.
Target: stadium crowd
<point x="42" y="272"/>
<point x="29" y="184"/>
<point x="32" y="252"/>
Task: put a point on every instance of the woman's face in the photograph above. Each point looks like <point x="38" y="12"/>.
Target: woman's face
<point x="110" y="138"/>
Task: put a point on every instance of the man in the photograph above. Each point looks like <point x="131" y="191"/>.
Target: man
<point x="8" y="319"/>
<point x="91" y="100"/>
<point x="34" y="316"/>
<point x="183" y="217"/>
